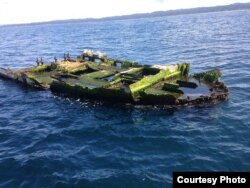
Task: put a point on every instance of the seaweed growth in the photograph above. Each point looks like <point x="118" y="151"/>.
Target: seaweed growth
<point x="212" y="76"/>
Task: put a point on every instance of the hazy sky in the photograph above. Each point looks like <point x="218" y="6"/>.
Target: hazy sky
<point x="26" y="11"/>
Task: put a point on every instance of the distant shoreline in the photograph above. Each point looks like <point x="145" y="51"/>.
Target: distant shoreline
<point x="231" y="7"/>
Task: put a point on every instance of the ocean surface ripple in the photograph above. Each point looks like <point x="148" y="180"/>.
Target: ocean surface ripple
<point x="48" y="141"/>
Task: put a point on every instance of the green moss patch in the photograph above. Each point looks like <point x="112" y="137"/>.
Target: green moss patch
<point x="150" y="80"/>
<point x="211" y="76"/>
<point x="41" y="68"/>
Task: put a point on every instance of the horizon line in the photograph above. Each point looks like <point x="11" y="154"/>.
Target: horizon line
<point x="132" y="16"/>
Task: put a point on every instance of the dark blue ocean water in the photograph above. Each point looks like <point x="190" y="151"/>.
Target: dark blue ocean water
<point x="47" y="141"/>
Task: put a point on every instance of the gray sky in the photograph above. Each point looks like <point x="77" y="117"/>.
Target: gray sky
<point x="26" y="11"/>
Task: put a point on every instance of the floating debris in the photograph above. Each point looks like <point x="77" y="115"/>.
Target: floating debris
<point x="93" y="75"/>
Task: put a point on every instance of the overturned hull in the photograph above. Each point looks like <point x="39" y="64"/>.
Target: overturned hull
<point x="95" y="76"/>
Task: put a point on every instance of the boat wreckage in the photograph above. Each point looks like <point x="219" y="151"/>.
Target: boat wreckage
<point x="93" y="75"/>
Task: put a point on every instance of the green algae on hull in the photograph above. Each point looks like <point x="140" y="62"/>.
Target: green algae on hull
<point x="94" y="75"/>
